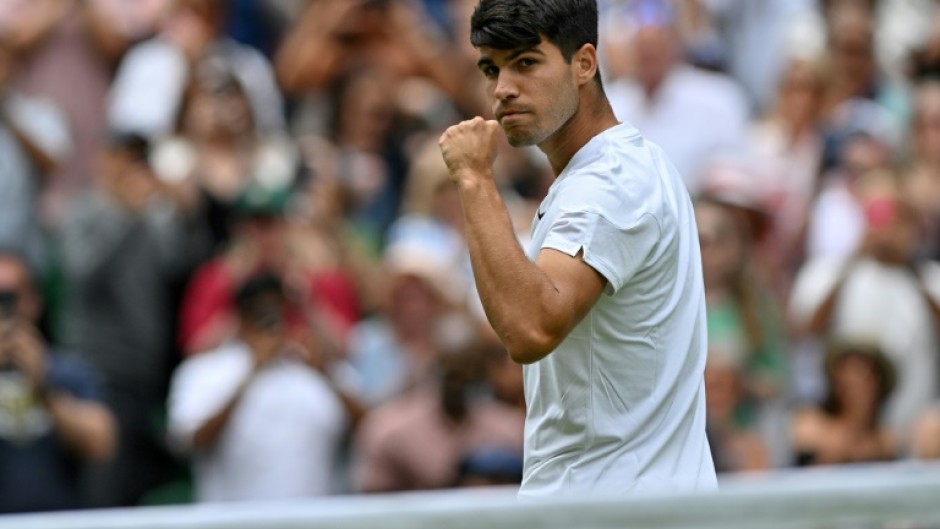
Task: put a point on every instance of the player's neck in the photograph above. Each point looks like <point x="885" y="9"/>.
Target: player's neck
<point x="592" y="118"/>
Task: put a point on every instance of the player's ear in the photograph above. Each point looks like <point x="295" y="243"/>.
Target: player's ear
<point x="585" y="62"/>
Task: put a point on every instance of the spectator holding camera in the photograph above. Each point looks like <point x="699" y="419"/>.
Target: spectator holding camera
<point x="257" y="414"/>
<point x="52" y="416"/>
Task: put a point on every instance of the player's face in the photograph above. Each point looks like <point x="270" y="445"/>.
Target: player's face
<point x="534" y="91"/>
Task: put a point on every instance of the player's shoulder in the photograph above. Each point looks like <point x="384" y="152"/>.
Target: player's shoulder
<point x="621" y="176"/>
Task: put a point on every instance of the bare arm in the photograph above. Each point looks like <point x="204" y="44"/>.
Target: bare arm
<point x="85" y="426"/>
<point x="44" y="162"/>
<point x="109" y="40"/>
<point x="531" y="306"/>
<point x="311" y="55"/>
<point x="207" y="434"/>
<point x="39" y="21"/>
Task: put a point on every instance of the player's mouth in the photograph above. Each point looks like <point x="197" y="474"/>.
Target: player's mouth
<point x="510" y="116"/>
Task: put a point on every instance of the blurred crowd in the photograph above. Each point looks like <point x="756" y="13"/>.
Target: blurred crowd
<point x="232" y="266"/>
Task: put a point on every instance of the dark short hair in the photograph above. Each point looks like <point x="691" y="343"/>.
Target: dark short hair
<point x="133" y="144"/>
<point x="511" y="24"/>
<point x="250" y="296"/>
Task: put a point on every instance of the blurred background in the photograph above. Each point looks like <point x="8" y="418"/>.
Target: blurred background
<point x="232" y="267"/>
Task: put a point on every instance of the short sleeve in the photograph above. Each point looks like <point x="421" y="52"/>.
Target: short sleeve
<point x="616" y="252"/>
<point x="75" y="377"/>
<point x="812" y="286"/>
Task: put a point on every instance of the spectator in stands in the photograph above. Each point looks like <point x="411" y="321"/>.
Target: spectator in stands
<point x="150" y="84"/>
<point x="853" y="72"/>
<point x="124" y="251"/>
<point x="395" y="348"/>
<point x="743" y="316"/>
<point x="732" y="428"/>
<point x="691" y="113"/>
<point x="360" y="155"/>
<point x="53" y="419"/>
<point x="922" y="177"/>
<point x="262" y="238"/>
<point x="219" y="148"/>
<point x="418" y="440"/>
<point x="860" y="141"/>
<point x="67" y="52"/>
<point x="334" y="36"/>
<point x="260" y="422"/>
<point x="747" y="372"/>
<point x="788" y="143"/>
<point x="490" y="468"/>
<point x="848" y="426"/>
<point x="883" y="295"/>
<point x="33" y="140"/>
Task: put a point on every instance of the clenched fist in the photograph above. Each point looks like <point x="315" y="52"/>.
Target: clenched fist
<point x="469" y="148"/>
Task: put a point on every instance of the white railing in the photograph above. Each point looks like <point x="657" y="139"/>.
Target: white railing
<point x="897" y="496"/>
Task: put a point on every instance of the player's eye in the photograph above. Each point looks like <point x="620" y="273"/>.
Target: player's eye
<point x="527" y="63"/>
<point x="490" y="71"/>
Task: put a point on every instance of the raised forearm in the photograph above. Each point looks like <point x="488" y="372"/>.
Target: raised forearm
<point x="207" y="434"/>
<point x="86" y="427"/>
<point x="516" y="294"/>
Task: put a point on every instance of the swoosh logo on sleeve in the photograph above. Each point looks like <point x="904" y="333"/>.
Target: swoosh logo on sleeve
<point x="540" y="214"/>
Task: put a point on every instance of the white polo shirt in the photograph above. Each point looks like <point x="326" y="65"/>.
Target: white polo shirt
<point x="619" y="405"/>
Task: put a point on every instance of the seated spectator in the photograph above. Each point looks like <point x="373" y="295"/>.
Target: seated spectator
<point x="124" y="252"/>
<point x="880" y="294"/>
<point x="52" y="417"/>
<point x="260" y="421"/>
<point x="848" y="427"/>
<point x="149" y="85"/>
<point x="418" y="440"/>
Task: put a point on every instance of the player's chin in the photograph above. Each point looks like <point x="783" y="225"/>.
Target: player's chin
<point x="520" y="138"/>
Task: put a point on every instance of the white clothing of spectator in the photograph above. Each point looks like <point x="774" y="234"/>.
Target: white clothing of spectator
<point x="34" y="137"/>
<point x="282" y="441"/>
<point x="885" y="304"/>
<point x="693" y="115"/>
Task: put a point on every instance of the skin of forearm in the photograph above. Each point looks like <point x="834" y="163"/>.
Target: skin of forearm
<point x="87" y="427"/>
<point x="207" y="434"/>
<point x="110" y="42"/>
<point x="517" y="296"/>
<point x="308" y="64"/>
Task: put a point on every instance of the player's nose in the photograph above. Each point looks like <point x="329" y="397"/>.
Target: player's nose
<point x="506" y="87"/>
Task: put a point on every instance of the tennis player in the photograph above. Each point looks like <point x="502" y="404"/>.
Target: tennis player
<point x="606" y="305"/>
